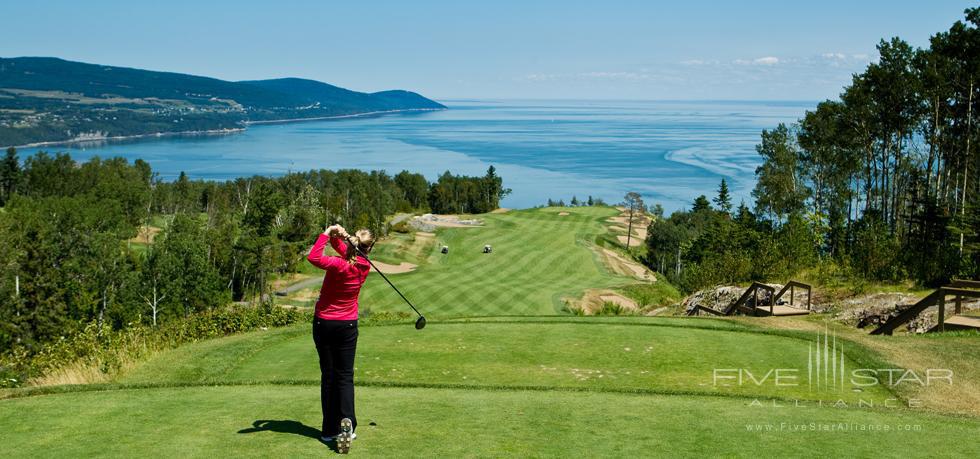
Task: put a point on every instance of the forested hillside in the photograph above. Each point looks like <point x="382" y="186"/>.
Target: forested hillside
<point x="106" y="241"/>
<point x="49" y="99"/>
<point x="880" y="184"/>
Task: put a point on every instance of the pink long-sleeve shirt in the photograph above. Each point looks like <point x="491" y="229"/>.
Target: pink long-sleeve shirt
<point x="342" y="281"/>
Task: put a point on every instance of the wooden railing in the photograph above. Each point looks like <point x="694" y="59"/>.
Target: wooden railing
<point x="959" y="289"/>
<point x="791" y="287"/>
<point x="751" y="292"/>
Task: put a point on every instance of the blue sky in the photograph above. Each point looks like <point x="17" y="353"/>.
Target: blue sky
<point x="500" y="49"/>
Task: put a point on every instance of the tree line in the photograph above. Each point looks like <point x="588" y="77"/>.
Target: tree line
<point x="883" y="183"/>
<point x="80" y="241"/>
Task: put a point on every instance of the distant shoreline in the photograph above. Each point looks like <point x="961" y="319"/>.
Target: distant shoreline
<point x="77" y="140"/>
<point x="125" y="137"/>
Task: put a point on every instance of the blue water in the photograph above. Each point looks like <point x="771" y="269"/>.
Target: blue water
<point x="670" y="152"/>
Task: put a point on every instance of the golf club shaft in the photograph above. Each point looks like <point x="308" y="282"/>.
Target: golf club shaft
<point x="386" y="279"/>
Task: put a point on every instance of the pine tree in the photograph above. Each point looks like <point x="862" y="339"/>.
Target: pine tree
<point x="590" y="202"/>
<point x="724" y="200"/>
<point x="701" y="204"/>
<point x="633" y="203"/>
<point x="658" y="211"/>
<point x="9" y="175"/>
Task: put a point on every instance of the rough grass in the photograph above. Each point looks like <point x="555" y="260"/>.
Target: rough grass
<point x="959" y="352"/>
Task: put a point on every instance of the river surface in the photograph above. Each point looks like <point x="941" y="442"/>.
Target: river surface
<point x="668" y="151"/>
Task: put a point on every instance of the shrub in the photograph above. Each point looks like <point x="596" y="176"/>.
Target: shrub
<point x="611" y="309"/>
<point x="107" y="349"/>
<point x="401" y="227"/>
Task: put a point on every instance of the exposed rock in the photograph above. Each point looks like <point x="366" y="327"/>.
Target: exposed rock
<point x="874" y="309"/>
<point x="719" y="298"/>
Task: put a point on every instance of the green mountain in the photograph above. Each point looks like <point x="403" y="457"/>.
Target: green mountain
<point x="45" y="99"/>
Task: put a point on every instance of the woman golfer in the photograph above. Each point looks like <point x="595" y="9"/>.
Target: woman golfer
<point x="335" y="327"/>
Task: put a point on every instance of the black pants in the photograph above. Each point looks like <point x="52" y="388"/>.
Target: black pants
<point x="336" y="342"/>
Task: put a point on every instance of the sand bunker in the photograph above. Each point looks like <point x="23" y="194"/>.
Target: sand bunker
<point x="620" y="300"/>
<point x="502" y="210"/>
<point x="562" y="214"/>
<point x="640" y="224"/>
<point x="146" y="235"/>
<point x="621" y="265"/>
<point x="593" y="300"/>
<point x="386" y="268"/>
<point x="447" y="221"/>
<point x="634" y="241"/>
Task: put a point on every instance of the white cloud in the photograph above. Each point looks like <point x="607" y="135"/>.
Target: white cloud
<point x="768" y="60"/>
<point x="538" y="77"/>
<point x="614" y="75"/>
<point x="837" y="56"/>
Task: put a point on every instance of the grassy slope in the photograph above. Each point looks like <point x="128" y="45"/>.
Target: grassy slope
<point x="956" y="351"/>
<point x="646" y="354"/>
<point x="538" y="257"/>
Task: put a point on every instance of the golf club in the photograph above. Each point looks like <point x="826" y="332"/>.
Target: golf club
<point x="420" y="322"/>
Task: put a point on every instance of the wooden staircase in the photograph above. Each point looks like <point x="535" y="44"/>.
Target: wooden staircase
<point x="958" y="289"/>
<point x="742" y="305"/>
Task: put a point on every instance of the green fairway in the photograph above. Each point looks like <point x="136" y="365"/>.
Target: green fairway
<point x="538" y="258"/>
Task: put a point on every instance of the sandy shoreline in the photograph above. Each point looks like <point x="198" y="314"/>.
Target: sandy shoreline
<point x="214" y="131"/>
<point x="126" y="137"/>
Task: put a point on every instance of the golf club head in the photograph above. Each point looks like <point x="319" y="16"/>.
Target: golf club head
<point x="420" y="323"/>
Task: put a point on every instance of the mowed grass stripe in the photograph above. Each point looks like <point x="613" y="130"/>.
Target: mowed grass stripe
<point x="565" y="276"/>
<point x="537" y="259"/>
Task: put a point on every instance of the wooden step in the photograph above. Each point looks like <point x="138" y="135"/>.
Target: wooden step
<point x="779" y="310"/>
<point x="962" y="322"/>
